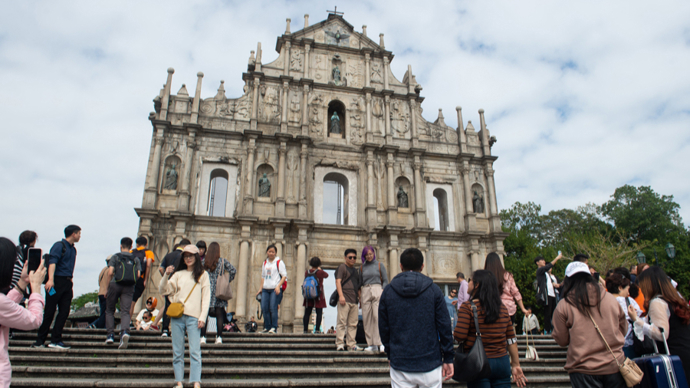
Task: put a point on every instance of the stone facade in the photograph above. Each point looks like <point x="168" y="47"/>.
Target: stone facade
<point x="283" y="127"/>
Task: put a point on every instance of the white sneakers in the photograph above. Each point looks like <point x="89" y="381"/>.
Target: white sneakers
<point x="272" y="331"/>
<point x="371" y="348"/>
<point x="382" y="348"/>
<point x="203" y="340"/>
<point x="219" y="340"/>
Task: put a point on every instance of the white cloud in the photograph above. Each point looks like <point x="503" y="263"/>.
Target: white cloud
<point x="583" y="97"/>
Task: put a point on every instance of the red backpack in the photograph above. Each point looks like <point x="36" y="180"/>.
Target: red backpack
<point x="284" y="286"/>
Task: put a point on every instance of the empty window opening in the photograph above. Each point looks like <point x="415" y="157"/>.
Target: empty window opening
<point x="218" y="193"/>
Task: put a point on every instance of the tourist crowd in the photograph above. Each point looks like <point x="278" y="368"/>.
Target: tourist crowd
<point x="409" y="318"/>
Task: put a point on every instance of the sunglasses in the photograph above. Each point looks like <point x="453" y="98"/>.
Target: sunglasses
<point x="352" y="257"/>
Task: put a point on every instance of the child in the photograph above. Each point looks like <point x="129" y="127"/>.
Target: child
<point x="530" y="323"/>
<point x="145" y="322"/>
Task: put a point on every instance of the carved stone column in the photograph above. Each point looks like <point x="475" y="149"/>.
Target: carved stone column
<point x="243" y="268"/>
<point x="197" y="97"/>
<point x="386" y="63"/>
<point x="419" y="211"/>
<point x="392" y="204"/>
<point x="307" y="47"/>
<point x="413" y="122"/>
<point x="151" y="190"/>
<point x="303" y="182"/>
<point x="387" y="118"/>
<point x="255" y="103"/>
<point x="249" y="188"/>
<point x="367" y="64"/>
<point x="280" y="200"/>
<point x="284" y="116"/>
<point x="371" y="191"/>
<point x="183" y="200"/>
<point x="493" y="208"/>
<point x="300" y="267"/>
<point x="305" y="110"/>
<point x="470" y="217"/>
<point x="394" y="262"/>
<point x="476" y="260"/>
<point x="370" y="135"/>
<point x="286" y="71"/>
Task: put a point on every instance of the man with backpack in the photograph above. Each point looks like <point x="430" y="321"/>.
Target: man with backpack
<point x="146" y="258"/>
<point x="59" y="288"/>
<point x="123" y="270"/>
<point x="312" y="292"/>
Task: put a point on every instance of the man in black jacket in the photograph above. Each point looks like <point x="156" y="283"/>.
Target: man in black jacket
<point x="546" y="295"/>
<point x="414" y="325"/>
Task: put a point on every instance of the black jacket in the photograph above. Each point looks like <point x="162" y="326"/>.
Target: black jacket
<point x="414" y="324"/>
<point x="541" y="283"/>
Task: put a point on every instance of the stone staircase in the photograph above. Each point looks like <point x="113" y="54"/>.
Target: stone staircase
<point x="243" y="360"/>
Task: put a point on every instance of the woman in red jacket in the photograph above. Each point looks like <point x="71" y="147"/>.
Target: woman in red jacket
<point x="320" y="302"/>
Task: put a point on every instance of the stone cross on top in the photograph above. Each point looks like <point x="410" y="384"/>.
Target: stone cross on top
<point x="336" y="11"/>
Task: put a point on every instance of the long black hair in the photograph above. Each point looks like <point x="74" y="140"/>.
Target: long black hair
<point x="576" y="291"/>
<point x="493" y="264"/>
<point x="8" y="256"/>
<point x="486" y="290"/>
<point x="197" y="271"/>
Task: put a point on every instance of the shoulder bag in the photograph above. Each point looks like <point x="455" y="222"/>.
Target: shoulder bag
<point x="632" y="374"/>
<point x="531" y="353"/>
<point x="176" y="310"/>
<point x="473" y="365"/>
<point x="333" y="300"/>
<point x="223" y="287"/>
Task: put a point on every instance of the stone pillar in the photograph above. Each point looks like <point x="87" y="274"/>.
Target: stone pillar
<point x="286" y="70"/>
<point x="386" y="63"/>
<point x="493" y="209"/>
<point x="476" y="260"/>
<point x="392" y="204"/>
<point x="300" y="267"/>
<point x="249" y="189"/>
<point x="387" y="118"/>
<point x="166" y="96"/>
<point x="307" y="47"/>
<point x="371" y="191"/>
<point x="303" y="182"/>
<point x="183" y="201"/>
<point x="152" y="184"/>
<point x="255" y="103"/>
<point x="197" y="98"/>
<point x="284" y="116"/>
<point x="462" y="139"/>
<point x="305" y="110"/>
<point x="413" y="119"/>
<point x="394" y="262"/>
<point x="243" y="268"/>
<point x="468" y="190"/>
<point x="370" y="135"/>
<point x="367" y="75"/>
<point x="280" y="198"/>
<point x="419" y="211"/>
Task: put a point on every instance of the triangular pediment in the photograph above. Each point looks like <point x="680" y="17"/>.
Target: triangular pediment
<point x="335" y="31"/>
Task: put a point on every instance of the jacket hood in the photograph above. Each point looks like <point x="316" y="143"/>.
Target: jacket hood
<point x="410" y="284"/>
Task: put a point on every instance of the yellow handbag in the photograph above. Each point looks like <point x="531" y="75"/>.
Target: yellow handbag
<point x="176" y="310"/>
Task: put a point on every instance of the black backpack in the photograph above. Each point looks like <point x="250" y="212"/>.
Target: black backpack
<point x="141" y="256"/>
<point x="125" y="270"/>
<point x="46" y="259"/>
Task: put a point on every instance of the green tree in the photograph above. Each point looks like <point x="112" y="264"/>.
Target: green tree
<point x="81" y="300"/>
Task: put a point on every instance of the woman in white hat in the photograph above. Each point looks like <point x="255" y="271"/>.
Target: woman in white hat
<point x="187" y="284"/>
<point x="589" y="363"/>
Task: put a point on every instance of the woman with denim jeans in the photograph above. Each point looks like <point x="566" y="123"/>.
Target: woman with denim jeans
<point x="273" y="275"/>
<point x="187" y="284"/>
<point x="496" y="328"/>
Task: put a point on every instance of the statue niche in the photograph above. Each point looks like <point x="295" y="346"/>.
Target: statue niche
<point x="336" y="119"/>
<point x="171" y="175"/>
<point x="264" y="175"/>
<point x="477" y="203"/>
<point x="402" y="198"/>
<point x="403" y="193"/>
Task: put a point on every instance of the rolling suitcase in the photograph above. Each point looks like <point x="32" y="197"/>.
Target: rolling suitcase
<point x="661" y="370"/>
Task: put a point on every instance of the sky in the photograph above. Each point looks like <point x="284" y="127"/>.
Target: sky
<point x="583" y="97"/>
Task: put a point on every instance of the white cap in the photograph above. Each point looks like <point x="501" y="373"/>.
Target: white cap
<point x="576" y="267"/>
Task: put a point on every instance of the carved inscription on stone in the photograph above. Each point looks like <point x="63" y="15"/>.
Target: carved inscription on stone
<point x="354" y="75"/>
<point x="316" y="115"/>
<point x="295" y="111"/>
<point x="296" y="60"/>
<point x="356" y="120"/>
<point x="377" y="111"/>
<point x="400" y="119"/>
<point x="269" y="110"/>
<point x="376" y="72"/>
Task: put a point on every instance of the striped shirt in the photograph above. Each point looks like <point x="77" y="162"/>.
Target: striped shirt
<point x="18" y="265"/>
<point x="495" y="336"/>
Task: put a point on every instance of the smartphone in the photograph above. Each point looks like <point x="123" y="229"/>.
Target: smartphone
<point x="559" y="253"/>
<point x="34" y="258"/>
<point x="51" y="292"/>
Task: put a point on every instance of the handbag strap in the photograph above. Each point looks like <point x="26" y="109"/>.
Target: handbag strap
<point x="476" y="319"/>
<point x="602" y="337"/>
<point x="190" y="293"/>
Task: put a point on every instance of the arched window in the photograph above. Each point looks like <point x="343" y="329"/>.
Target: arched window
<point x="338" y="108"/>
<point x="440" y="210"/>
<point x="217" y="193"/>
<point x="335" y="199"/>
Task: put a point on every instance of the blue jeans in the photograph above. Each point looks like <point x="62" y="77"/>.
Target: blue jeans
<point x="177" y="328"/>
<point x="269" y="305"/>
<point x="100" y="322"/>
<point x="500" y="374"/>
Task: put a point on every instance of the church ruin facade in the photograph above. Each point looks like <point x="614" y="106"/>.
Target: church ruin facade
<point x="255" y="170"/>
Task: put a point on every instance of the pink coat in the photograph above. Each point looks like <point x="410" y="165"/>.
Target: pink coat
<point x="15" y="316"/>
<point x="510" y="294"/>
